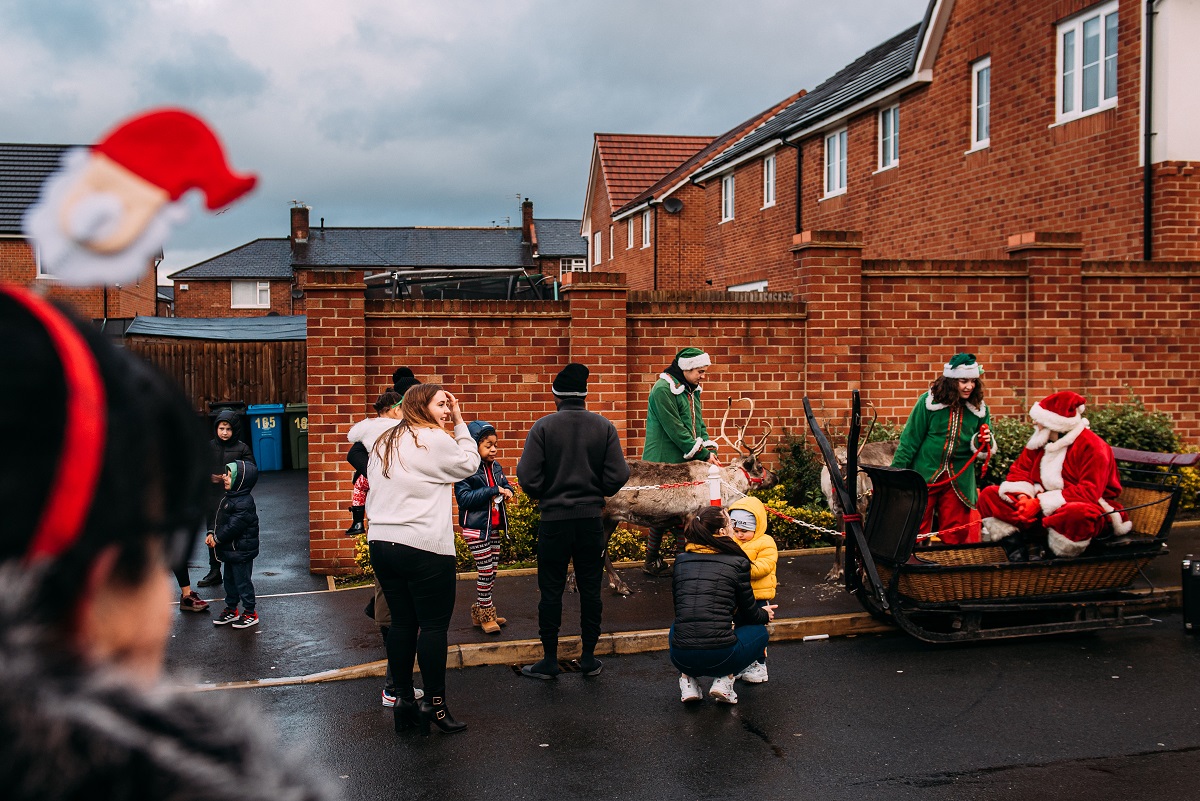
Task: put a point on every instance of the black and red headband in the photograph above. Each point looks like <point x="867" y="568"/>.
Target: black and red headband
<point x="77" y="473"/>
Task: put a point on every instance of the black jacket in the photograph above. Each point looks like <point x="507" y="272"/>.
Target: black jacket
<point x="67" y="733"/>
<point x="223" y="452"/>
<point x="712" y="592"/>
<point x="236" y="525"/>
<point x="571" y="462"/>
<point x="474" y="496"/>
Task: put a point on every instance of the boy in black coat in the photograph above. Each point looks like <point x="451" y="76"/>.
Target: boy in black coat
<point x="235" y="538"/>
<point x="226" y="446"/>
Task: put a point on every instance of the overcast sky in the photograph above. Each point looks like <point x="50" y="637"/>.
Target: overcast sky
<point x="394" y="112"/>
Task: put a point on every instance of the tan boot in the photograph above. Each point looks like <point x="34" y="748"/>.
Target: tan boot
<point x="476" y="615"/>
<point x="500" y="620"/>
<point x="487" y="616"/>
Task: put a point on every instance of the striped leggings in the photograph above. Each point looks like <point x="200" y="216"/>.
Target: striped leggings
<point x="486" y="550"/>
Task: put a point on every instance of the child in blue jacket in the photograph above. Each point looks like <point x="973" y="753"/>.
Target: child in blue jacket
<point x="235" y="538"/>
<point x="482" y="518"/>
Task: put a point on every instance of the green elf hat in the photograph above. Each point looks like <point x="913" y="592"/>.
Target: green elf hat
<point x="963" y="365"/>
<point x="231" y="469"/>
<point x="692" y="358"/>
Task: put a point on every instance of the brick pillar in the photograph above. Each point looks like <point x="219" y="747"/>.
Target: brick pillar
<point x="599" y="336"/>
<point x="1054" y="326"/>
<point x="336" y="400"/>
<point x="828" y="279"/>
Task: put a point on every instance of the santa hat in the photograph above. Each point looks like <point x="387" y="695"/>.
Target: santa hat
<point x="571" y="381"/>
<point x="963" y="365"/>
<point x="176" y="151"/>
<point x="1061" y="411"/>
<point x="692" y="358"/>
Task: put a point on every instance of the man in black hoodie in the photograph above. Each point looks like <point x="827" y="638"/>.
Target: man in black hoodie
<point x="572" y="461"/>
<point x="226" y="447"/>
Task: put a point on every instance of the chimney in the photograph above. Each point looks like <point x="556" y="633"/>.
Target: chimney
<point x="299" y="224"/>
<point x="527" y="221"/>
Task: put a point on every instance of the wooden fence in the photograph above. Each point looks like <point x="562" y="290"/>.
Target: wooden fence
<point x="251" y="372"/>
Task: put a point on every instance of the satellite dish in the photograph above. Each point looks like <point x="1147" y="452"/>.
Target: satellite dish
<point x="673" y="205"/>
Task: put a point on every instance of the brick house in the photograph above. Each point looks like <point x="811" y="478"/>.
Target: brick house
<point x="258" y="278"/>
<point x="23" y="170"/>
<point x="986" y="119"/>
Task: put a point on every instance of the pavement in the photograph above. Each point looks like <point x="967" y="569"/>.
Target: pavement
<point x="309" y="633"/>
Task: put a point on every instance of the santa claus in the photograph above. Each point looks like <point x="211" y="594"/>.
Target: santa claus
<point x="108" y="211"/>
<point x="1065" y="481"/>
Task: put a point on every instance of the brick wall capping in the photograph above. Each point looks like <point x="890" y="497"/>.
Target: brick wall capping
<point x="826" y="239"/>
<point x="596" y="280"/>
<point x="1044" y="240"/>
<point x="707" y="296"/>
<point x="994" y="268"/>
<point x="439" y="314"/>
<point x="317" y="280"/>
<point x="1141" y="269"/>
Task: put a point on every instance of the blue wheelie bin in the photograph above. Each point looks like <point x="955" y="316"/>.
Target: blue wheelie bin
<point x="267" y="433"/>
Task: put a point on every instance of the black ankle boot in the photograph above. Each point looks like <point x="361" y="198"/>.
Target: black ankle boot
<point x="436" y="712"/>
<point x="1014" y="547"/>
<point x="356" y="527"/>
<point x="406" y="714"/>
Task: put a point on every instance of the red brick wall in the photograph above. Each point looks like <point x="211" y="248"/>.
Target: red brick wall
<point x="754" y="245"/>
<point x="500" y="357"/>
<point x="17" y="266"/>
<point x="212" y="298"/>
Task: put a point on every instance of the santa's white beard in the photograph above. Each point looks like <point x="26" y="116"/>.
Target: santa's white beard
<point x="73" y="263"/>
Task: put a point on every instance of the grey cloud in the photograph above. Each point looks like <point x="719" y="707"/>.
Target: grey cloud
<point x="199" y="69"/>
<point x="71" y="29"/>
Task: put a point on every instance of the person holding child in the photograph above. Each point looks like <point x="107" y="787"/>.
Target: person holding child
<point x="414" y="464"/>
<point x="720" y="628"/>
<point x="749" y="518"/>
<point x="482" y="519"/>
<point x="235" y="539"/>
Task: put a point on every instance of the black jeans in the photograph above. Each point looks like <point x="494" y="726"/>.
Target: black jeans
<point x="419" y="587"/>
<point x="559" y="542"/>
<point x="239" y="586"/>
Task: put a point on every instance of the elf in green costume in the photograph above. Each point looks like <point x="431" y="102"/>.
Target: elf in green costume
<point x="675" y="431"/>
<point x="946" y="427"/>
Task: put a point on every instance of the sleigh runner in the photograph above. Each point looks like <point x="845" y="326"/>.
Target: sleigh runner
<point x="945" y="593"/>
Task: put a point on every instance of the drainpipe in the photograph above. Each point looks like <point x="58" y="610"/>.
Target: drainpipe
<point x="1148" y="174"/>
<point x="799" y="171"/>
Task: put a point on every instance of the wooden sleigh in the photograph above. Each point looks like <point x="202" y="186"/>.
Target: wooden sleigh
<point x="956" y="593"/>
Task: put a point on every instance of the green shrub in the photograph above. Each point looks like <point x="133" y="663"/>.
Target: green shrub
<point x="799" y="471"/>
<point x="1009" y="435"/>
<point x="519" y="544"/>
<point x="1131" y="425"/>
<point x="627" y="546"/>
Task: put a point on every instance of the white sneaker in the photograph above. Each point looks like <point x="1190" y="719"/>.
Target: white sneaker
<point x="755" y="673"/>
<point x="689" y="689"/>
<point x="722" y="690"/>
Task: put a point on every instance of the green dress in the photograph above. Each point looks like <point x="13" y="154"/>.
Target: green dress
<point x="675" y="430"/>
<point x="936" y="442"/>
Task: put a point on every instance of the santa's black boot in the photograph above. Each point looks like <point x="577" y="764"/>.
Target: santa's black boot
<point x="1014" y="547"/>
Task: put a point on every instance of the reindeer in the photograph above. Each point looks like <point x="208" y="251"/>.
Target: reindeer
<point x="872" y="453"/>
<point x="669" y="507"/>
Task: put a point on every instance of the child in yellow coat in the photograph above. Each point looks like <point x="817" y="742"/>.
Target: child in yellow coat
<point x="749" y="518"/>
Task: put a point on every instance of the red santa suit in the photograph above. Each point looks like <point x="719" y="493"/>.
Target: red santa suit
<point x="1073" y="479"/>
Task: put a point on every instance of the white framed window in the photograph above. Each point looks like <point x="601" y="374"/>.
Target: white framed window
<point x="571" y="265"/>
<point x="250" y="295"/>
<point x="629" y="233"/>
<point x="727" y="198"/>
<point x="769" y="181"/>
<point x="752" y="286"/>
<point x="596" y="240"/>
<point x="1087" y="62"/>
<point x="646" y="228"/>
<point x="889" y="137"/>
<point x="835" y="163"/>
<point x="981" y="103"/>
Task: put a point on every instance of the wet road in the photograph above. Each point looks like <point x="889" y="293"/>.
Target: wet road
<point x="1096" y="717"/>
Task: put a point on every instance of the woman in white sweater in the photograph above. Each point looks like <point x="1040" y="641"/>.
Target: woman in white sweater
<point x="414" y="464"/>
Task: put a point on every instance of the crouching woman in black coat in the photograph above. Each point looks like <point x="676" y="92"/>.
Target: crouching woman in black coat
<point x="719" y="628"/>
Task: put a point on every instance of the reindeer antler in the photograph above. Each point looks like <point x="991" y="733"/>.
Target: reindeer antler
<point x="862" y="443"/>
<point x="739" y="443"/>
<point x="760" y="446"/>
